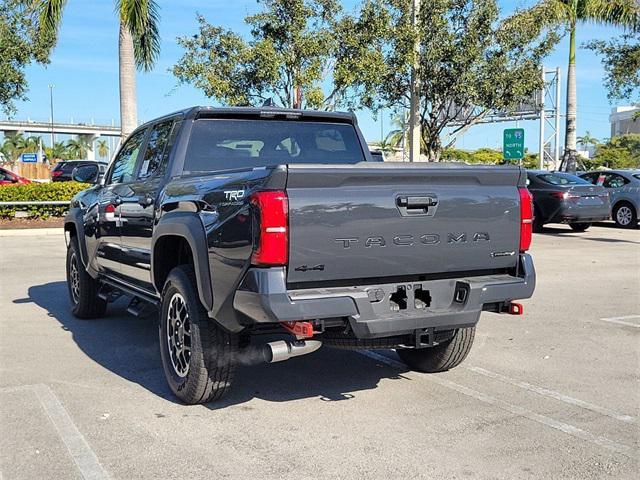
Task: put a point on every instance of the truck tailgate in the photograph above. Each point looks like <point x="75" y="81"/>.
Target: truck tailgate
<point x="369" y="221"/>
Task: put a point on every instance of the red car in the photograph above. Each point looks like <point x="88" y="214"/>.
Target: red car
<point x="7" y="177"/>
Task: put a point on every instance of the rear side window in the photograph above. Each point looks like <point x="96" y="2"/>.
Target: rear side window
<point x="156" y="153"/>
<point x="224" y="144"/>
<point x="562" y="179"/>
<point x="613" y="180"/>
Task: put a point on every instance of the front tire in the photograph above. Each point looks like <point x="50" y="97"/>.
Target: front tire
<point x="442" y="357"/>
<point x="198" y="357"/>
<point x="83" y="289"/>
<point x="625" y="215"/>
<point x="579" y="227"/>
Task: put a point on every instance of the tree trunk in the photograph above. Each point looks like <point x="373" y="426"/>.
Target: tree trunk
<point x="128" y="107"/>
<point x="570" y="153"/>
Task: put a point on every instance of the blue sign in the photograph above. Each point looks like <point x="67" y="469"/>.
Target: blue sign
<point x="29" y="158"/>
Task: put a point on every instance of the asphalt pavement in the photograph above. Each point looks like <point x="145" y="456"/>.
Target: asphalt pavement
<point x="552" y="394"/>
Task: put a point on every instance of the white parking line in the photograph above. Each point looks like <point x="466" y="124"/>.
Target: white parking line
<point x="80" y="451"/>
<point x="621" y="320"/>
<point x="523" y="412"/>
<point x="555" y="395"/>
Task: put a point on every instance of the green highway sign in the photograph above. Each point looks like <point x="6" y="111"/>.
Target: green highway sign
<point x="513" y="143"/>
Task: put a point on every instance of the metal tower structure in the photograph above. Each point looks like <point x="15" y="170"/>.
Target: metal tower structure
<point x="549" y="114"/>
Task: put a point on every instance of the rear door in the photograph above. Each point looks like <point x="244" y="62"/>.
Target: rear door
<point x="137" y="204"/>
<point x="385" y="220"/>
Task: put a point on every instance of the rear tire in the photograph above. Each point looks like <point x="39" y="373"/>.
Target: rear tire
<point x="83" y="289"/>
<point x="579" y="227"/>
<point x="625" y="215"/>
<point x="442" y="357"/>
<point x="538" y="225"/>
<point x="198" y="357"/>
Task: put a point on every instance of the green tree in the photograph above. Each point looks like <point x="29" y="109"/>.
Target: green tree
<point x="568" y="14"/>
<point x="469" y="62"/>
<point x="621" y="61"/>
<point x="77" y="148"/>
<point x="138" y="45"/>
<point x="287" y="59"/>
<point x="102" y="147"/>
<point x="19" y="47"/>
<point x="57" y="152"/>
<point x="619" y="152"/>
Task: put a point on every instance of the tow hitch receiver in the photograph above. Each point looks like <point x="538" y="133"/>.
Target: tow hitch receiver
<point x="513" y="308"/>
<point x="299" y="329"/>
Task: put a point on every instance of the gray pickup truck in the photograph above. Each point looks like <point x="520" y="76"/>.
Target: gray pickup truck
<point x="240" y="222"/>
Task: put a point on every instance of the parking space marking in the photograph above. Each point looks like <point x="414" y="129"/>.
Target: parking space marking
<point x="515" y="409"/>
<point x="621" y="320"/>
<point x="80" y="451"/>
<point x="555" y="395"/>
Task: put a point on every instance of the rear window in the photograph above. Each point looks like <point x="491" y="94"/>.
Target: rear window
<point x="224" y="144"/>
<point x="562" y="179"/>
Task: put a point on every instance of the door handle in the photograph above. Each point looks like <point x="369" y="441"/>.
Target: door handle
<point x="417" y="202"/>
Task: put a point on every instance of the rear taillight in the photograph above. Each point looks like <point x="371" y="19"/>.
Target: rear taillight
<point x="565" y="195"/>
<point x="273" y="218"/>
<point x="56" y="173"/>
<point x="526" y="219"/>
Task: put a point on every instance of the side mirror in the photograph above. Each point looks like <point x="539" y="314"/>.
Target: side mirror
<point x="86" y="174"/>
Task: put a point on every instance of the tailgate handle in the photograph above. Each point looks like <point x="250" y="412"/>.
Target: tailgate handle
<point x="416" y="203"/>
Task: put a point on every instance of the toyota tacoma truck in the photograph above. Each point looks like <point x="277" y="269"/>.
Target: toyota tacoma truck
<point x="235" y="223"/>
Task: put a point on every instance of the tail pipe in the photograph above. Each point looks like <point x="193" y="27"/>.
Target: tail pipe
<point x="284" y="349"/>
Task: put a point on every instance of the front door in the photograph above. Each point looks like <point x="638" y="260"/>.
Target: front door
<point x="138" y="205"/>
<point x="121" y="173"/>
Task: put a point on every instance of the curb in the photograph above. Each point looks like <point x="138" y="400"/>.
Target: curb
<point x="31" y="232"/>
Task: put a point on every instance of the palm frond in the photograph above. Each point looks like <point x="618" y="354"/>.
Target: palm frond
<point x="141" y="18"/>
<point x="546" y="13"/>
<point x="49" y="14"/>
<point x="620" y="13"/>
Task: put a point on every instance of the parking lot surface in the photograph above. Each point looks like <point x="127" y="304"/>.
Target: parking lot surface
<point x="552" y="394"/>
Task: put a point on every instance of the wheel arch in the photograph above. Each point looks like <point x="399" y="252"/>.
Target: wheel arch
<point x="180" y="238"/>
<point x="74" y="227"/>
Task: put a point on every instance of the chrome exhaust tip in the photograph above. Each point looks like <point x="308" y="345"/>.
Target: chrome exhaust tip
<point x="284" y="349"/>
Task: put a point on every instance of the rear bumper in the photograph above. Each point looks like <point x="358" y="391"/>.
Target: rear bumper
<point x="578" y="214"/>
<point x="263" y="298"/>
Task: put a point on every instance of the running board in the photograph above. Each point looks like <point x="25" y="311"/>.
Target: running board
<point x="132" y="291"/>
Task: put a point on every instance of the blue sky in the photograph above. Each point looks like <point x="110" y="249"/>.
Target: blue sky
<point x="84" y="70"/>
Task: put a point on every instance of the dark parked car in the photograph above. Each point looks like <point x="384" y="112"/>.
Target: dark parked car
<point x="624" y="189"/>
<point x="565" y="198"/>
<point x="7" y="177"/>
<point x="63" y="170"/>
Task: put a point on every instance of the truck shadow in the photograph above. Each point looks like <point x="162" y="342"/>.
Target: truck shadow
<point x="128" y="347"/>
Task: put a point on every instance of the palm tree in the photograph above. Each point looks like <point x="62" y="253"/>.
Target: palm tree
<point x="552" y="13"/>
<point x="139" y="46"/>
<point x="587" y="139"/>
<point x="57" y="152"/>
<point x="78" y="148"/>
<point x="103" y="148"/>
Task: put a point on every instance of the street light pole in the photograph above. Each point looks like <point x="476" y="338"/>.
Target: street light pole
<point x="53" y="138"/>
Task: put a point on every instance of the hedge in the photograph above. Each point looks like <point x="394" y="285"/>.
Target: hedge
<point x="60" y="191"/>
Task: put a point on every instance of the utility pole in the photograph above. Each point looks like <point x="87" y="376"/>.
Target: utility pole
<point x="414" y="111"/>
<point x="53" y="137"/>
<point x="542" y="120"/>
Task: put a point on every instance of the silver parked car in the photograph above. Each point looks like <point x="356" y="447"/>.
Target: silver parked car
<point x="624" y="189"/>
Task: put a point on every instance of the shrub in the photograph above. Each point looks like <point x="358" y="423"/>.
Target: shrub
<point x="62" y="191"/>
